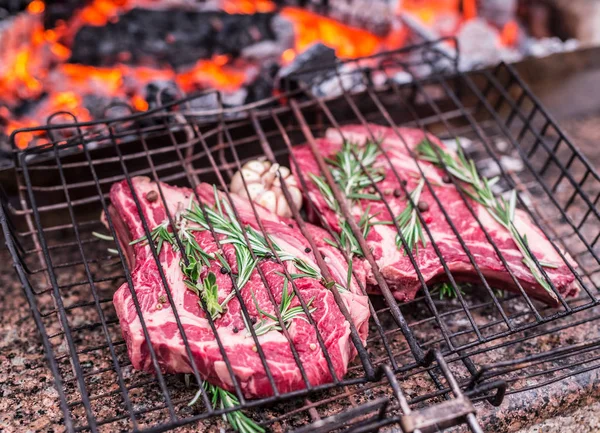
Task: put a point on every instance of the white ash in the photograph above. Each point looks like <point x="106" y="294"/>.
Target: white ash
<point x="490" y="168"/>
<point x="349" y="80"/>
<point x="477" y="41"/>
<point x="236" y="98"/>
<point x="402" y="77"/>
<point x="502" y="145"/>
<point x="451" y="144"/>
<point x="269" y="49"/>
<point x="547" y="46"/>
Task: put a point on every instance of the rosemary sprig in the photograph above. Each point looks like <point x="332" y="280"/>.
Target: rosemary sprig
<point x="447" y="291"/>
<point x="502" y="210"/>
<point x="222" y="399"/>
<point x="409" y="223"/>
<point x="222" y="219"/>
<point x="346" y="239"/>
<point x="286" y="312"/>
<point x="307" y="269"/>
<point x="347" y="167"/>
<point x="108" y="238"/>
<point x="159" y="235"/>
<point x="103" y="236"/>
<point x="325" y="191"/>
<point x="209" y="291"/>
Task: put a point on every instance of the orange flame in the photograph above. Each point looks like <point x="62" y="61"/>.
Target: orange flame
<point x="67" y="85"/>
<point x="100" y="12"/>
<point x="347" y="41"/>
<point x="36" y="7"/>
<point x="247" y="6"/>
<point x="212" y="73"/>
<point x="510" y="33"/>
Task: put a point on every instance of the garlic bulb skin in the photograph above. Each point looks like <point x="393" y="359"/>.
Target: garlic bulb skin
<point x="264" y="186"/>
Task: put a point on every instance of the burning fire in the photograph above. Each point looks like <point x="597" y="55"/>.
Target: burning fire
<point x="38" y="71"/>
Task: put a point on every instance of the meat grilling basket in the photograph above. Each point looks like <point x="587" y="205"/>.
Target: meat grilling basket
<point x="427" y="364"/>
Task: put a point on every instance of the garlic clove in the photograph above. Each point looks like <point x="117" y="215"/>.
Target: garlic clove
<point x="264" y="181"/>
<point x="284" y="171"/>
<point x="283" y="209"/>
<point x="296" y="196"/>
<point x="237" y="185"/>
<point x="268" y="200"/>
<point x="256" y="166"/>
<point x="254" y="190"/>
<point x="266" y="165"/>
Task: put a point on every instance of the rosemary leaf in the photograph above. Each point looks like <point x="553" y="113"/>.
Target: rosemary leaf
<point x="222" y="399"/>
<point x="447" y="291"/>
<point x="269" y="323"/>
<point x="103" y="236"/>
<point x="501" y="210"/>
<point x="409" y="223"/>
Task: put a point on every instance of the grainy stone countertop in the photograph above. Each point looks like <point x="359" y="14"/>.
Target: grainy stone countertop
<point x="28" y="401"/>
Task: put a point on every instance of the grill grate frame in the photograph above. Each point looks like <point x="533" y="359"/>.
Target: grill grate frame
<point x="486" y="105"/>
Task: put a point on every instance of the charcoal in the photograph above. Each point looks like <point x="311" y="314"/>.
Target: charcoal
<point x="262" y="87"/>
<point x="61" y="10"/>
<point x="167" y="91"/>
<point x="174" y="38"/>
<point x="98" y="106"/>
<point x="210" y="101"/>
<point x="307" y="68"/>
<point x="9" y="8"/>
<point x="348" y="78"/>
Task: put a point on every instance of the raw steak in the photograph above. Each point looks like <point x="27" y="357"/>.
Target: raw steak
<point x="395" y="266"/>
<point x="239" y="345"/>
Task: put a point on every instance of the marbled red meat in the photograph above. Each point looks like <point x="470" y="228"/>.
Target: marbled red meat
<point x="396" y="266"/>
<point x="238" y="343"/>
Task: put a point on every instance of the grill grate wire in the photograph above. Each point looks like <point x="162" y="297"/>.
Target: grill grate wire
<point x="61" y="183"/>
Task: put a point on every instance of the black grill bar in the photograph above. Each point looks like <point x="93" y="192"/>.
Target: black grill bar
<point x="540" y="182"/>
<point x="60" y="181"/>
<point x="320" y="262"/>
<point x="128" y="277"/>
<point x="564" y="170"/>
<point x="472" y="212"/>
<point x="419" y="215"/>
<point x="301" y="224"/>
<point x="263" y="278"/>
<point x="61" y="313"/>
<point x="213" y="328"/>
<point x="22" y="273"/>
<point x="391" y="302"/>
<point x="97" y="299"/>
<point x="398" y="317"/>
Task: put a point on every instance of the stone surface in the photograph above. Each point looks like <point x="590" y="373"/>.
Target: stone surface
<point x="28" y="401"/>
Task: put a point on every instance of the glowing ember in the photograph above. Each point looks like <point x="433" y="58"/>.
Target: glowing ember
<point x="38" y="72"/>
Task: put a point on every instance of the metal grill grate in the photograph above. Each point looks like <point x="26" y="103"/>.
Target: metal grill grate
<point x="69" y="277"/>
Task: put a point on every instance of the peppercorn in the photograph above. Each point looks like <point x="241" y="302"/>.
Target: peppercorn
<point x="397" y="192"/>
<point x="235" y="330"/>
<point x="423" y="206"/>
<point x="307" y="250"/>
<point x="446" y="179"/>
<point x="291" y="225"/>
<point x="404" y="182"/>
<point x="253" y="320"/>
<point x="224" y="270"/>
<point x="152" y="196"/>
